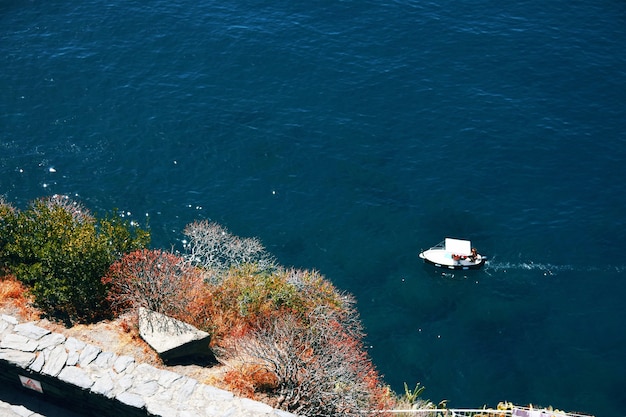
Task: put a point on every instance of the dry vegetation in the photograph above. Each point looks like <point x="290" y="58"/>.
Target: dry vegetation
<point x="286" y="337"/>
<point x="283" y="336"/>
<point x="14" y="299"/>
<point x="274" y="362"/>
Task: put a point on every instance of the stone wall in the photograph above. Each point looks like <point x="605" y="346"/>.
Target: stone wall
<point x="89" y="380"/>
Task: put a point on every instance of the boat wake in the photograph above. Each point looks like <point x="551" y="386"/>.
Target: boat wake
<point x="547" y="268"/>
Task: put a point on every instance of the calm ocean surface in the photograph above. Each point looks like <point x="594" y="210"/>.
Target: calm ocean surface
<point x="348" y="135"/>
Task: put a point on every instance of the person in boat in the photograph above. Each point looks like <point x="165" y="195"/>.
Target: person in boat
<point x="474" y="255"/>
<point x="457" y="258"/>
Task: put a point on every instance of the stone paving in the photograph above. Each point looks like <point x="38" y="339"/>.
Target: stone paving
<point x="118" y="378"/>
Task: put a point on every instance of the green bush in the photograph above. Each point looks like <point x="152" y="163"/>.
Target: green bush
<point x="61" y="253"/>
<point x="8" y="218"/>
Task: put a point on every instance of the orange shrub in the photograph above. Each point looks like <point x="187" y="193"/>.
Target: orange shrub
<point x="10" y="288"/>
<point x="239" y="383"/>
<point x="247" y="379"/>
<point x="262" y="378"/>
<point x="14" y="292"/>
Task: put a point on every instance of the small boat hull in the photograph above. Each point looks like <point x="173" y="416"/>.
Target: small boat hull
<point x="454" y="265"/>
<point x="453" y="254"/>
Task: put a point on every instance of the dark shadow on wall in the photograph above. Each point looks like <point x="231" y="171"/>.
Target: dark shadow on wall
<point x="35" y="402"/>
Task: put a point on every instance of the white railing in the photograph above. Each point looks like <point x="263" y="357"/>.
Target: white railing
<point x="451" y="412"/>
<point x="468" y="412"/>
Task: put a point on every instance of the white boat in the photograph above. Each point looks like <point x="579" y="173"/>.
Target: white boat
<point x="453" y="254"/>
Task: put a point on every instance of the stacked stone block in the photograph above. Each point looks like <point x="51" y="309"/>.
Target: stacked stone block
<point x="84" y="377"/>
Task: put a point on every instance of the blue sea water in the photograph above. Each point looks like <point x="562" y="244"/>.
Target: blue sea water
<point x="348" y="135"/>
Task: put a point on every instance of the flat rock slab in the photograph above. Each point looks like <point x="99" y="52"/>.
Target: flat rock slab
<point x="174" y="340"/>
<point x="31" y="331"/>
